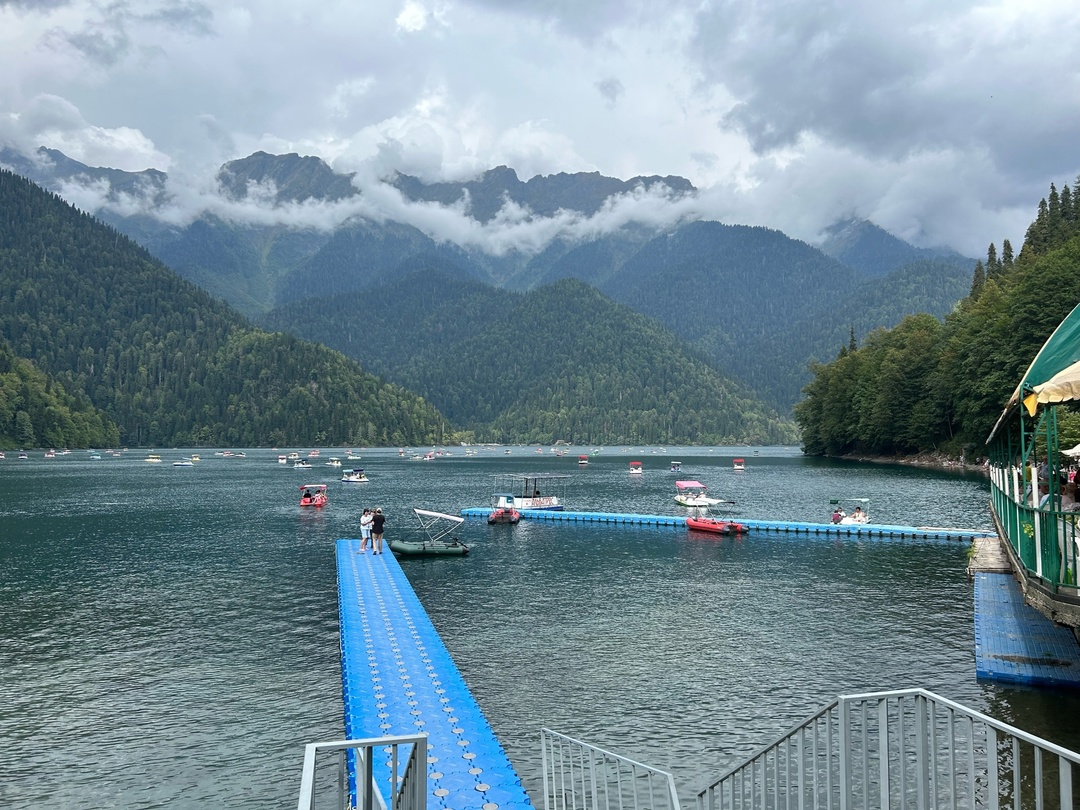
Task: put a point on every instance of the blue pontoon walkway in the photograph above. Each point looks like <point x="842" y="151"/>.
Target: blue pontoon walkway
<point x="399" y="679"/>
<point x="832" y="529"/>
<point x="1016" y="643"/>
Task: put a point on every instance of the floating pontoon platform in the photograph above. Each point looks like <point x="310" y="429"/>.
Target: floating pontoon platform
<point x="1015" y="643"/>
<point x="399" y="679"/>
<point x="679" y="521"/>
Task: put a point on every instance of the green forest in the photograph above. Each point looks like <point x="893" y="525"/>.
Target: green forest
<point x="125" y="352"/>
<point x="560" y="362"/>
<point x="939" y="386"/>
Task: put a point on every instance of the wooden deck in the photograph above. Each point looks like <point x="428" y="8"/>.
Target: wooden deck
<point x="988" y="557"/>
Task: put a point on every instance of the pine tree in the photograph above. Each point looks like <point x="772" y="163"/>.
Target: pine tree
<point x="978" y="281"/>
<point x="852" y="345"/>
<point x="993" y="266"/>
<point x="1007" y="255"/>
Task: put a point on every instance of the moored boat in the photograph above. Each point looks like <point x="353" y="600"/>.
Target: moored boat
<point x="313" y="495"/>
<point x="693" y="494"/>
<point x="529" y="491"/>
<point x="437" y="528"/>
<point x="502" y="509"/>
<point x="707" y="523"/>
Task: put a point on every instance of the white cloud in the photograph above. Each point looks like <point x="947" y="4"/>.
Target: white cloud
<point x="946" y="121"/>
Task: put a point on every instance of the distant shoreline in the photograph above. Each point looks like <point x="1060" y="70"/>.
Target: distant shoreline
<point x="937" y="461"/>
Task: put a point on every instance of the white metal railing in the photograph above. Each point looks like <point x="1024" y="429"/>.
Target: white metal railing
<point x="355" y="773"/>
<point x="899" y="749"/>
<point x="579" y="776"/>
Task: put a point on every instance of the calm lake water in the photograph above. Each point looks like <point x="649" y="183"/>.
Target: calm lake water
<point x="168" y="636"/>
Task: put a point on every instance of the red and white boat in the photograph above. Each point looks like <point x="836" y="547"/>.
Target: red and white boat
<point x="635" y="468"/>
<point x="503" y="509"/>
<point x="313" y="495"/>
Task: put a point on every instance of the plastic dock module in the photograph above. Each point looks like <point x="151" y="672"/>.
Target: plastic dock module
<point x="399" y="679"/>
<point x="1016" y="643"/>
<point x="872" y="530"/>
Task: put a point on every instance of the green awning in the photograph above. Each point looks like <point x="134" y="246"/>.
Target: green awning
<point x="1054" y="374"/>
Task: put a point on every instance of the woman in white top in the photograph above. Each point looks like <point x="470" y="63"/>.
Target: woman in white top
<point x="365" y="529"/>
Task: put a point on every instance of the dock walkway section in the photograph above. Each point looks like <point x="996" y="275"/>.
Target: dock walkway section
<point x="398" y="679"/>
<point x="786" y="526"/>
<point x="1016" y="643"/>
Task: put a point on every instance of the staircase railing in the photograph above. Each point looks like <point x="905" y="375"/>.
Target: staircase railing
<point x="356" y="785"/>
<point x="898" y="749"/>
<point x="579" y="776"/>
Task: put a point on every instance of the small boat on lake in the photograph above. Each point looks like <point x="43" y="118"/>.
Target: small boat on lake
<point x="676" y="466"/>
<point x="313" y="495"/>
<point x="694" y="494"/>
<point x="153" y="458"/>
<point x="437" y="528"/>
<point x="635" y="468"/>
<point x="282" y="459"/>
<point x="506" y="513"/>
<point x="301" y="465"/>
<point x="354" y="476"/>
<point x="858" y="516"/>
<point x="530" y="490"/>
<point x="739" y="464"/>
<point x="714" y="525"/>
<point x="184" y="462"/>
<point x="582" y="460"/>
<point x="333" y="462"/>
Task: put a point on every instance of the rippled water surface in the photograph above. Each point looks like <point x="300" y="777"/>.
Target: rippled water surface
<point x="169" y="635"/>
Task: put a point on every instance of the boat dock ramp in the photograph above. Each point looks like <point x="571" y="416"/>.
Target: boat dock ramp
<point x="784" y="526"/>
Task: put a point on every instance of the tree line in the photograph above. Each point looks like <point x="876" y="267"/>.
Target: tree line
<point x="932" y="385"/>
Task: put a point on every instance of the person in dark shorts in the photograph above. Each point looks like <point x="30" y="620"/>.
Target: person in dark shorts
<point x="377" y="530"/>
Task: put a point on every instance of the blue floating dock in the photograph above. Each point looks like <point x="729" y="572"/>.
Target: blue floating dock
<point x="1016" y="643"/>
<point x="785" y="526"/>
<point x="398" y="679"/>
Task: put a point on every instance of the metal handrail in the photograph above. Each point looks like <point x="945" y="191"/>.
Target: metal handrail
<point x="408" y="792"/>
<point x="900" y="748"/>
<point x="580" y="776"/>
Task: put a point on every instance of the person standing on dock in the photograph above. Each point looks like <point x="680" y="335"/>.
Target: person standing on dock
<point x="377" y="521"/>
<point x="365" y="530"/>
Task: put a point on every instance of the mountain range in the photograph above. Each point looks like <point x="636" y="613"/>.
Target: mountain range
<point x="751" y="303"/>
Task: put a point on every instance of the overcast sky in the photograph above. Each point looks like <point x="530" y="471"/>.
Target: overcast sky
<point x="944" y="122"/>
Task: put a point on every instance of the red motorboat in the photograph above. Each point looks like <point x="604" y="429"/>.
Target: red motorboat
<point x="504" y="515"/>
<point x="313" y="495"/>
<point x="703" y="523"/>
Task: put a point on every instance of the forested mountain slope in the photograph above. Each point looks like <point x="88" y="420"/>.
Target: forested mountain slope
<point x="35" y="411"/>
<point x="164" y="360"/>
<point x="560" y="362"/>
<point x="759" y="305"/>
<point x="925" y="385"/>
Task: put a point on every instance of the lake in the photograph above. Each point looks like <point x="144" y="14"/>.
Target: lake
<point x="168" y="635"/>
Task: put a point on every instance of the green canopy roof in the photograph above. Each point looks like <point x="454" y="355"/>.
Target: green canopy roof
<point x="1054" y="374"/>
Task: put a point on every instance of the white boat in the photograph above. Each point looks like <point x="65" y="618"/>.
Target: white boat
<point x="292" y="457"/>
<point x="282" y="459"/>
<point x="694" y="494"/>
<point x="333" y="462"/>
<point x="859" y="515"/>
<point x="738" y="464"/>
<point x="301" y="465"/>
<point x="530" y="491"/>
<point x="354" y="477"/>
<point x="635" y="468"/>
<point x="153" y="458"/>
<point x="184" y="462"/>
<point x="676" y="466"/>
